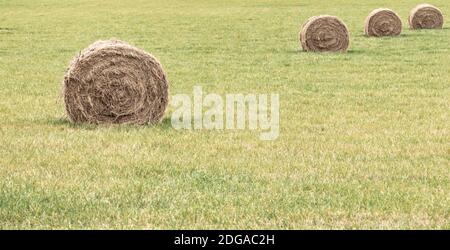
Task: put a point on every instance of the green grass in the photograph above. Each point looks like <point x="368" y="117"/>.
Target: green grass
<point x="364" y="139"/>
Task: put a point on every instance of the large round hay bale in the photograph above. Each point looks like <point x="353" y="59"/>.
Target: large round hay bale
<point x="426" y="16"/>
<point x="114" y="82"/>
<point x="383" y="22"/>
<point x="324" y="34"/>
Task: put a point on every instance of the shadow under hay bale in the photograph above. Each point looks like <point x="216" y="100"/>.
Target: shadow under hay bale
<point x="114" y="82"/>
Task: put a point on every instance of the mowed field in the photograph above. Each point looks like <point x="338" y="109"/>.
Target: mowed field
<point x="364" y="138"/>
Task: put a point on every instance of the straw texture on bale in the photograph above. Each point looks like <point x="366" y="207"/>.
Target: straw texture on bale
<point x="383" y="22"/>
<point x="324" y="34"/>
<point x="426" y="16"/>
<point x="114" y="82"/>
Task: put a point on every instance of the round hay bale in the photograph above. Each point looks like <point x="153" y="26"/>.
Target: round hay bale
<point x="324" y="34"/>
<point x="383" y="22"/>
<point x="114" y="82"/>
<point x="426" y="16"/>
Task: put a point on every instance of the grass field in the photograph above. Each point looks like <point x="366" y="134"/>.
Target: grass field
<point x="364" y="139"/>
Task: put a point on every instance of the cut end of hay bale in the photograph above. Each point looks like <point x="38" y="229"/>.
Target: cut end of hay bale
<point x="426" y="16"/>
<point x="383" y="22"/>
<point x="114" y="82"/>
<point x="324" y="34"/>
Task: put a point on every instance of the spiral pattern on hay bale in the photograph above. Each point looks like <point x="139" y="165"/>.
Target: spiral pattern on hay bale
<point x="324" y="34"/>
<point x="114" y="82"/>
<point x="426" y="16"/>
<point x="383" y="22"/>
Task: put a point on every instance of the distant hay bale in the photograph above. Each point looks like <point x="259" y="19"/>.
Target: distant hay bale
<point x="114" y="82"/>
<point x="426" y="16"/>
<point x="383" y="22"/>
<point x="324" y="34"/>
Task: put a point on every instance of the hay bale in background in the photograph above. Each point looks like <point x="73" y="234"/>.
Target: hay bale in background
<point x="426" y="16"/>
<point x="383" y="22"/>
<point x="324" y="34"/>
<point x="114" y="82"/>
